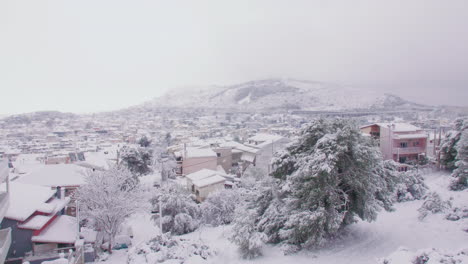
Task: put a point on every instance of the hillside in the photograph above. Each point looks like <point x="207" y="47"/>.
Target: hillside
<point x="282" y="94"/>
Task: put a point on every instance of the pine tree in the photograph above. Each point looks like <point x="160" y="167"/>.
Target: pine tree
<point x="144" y="142"/>
<point x="137" y="159"/>
<point x="325" y="180"/>
<point x="448" y="148"/>
<point x="461" y="172"/>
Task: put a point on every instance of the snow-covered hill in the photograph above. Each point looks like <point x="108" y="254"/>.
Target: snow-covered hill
<point x="282" y="94"/>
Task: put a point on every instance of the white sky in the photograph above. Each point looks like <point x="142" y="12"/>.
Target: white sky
<point x="95" y="55"/>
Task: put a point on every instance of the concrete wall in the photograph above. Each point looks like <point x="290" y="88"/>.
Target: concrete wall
<point x="385" y="143"/>
<point x="20" y="239"/>
<point x="190" y="165"/>
<point x="224" y="158"/>
<point x="206" y="190"/>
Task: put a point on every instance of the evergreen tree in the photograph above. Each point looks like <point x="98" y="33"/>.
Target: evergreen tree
<point x="448" y="145"/>
<point x="144" y="142"/>
<point x="461" y="172"/>
<point x="328" y="177"/>
<point x="137" y="159"/>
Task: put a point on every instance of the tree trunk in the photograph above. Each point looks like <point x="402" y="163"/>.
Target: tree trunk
<point x="110" y="245"/>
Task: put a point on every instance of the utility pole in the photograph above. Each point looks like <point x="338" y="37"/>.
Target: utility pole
<point x="160" y="197"/>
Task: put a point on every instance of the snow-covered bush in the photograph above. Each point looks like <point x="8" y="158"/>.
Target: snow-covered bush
<point x="325" y="180"/>
<point x="457" y="213"/>
<point x="433" y="204"/>
<point x="219" y="207"/>
<point x="410" y="186"/>
<point x="249" y="240"/>
<point x="180" y="213"/>
<point x="425" y="256"/>
<point x="165" y="248"/>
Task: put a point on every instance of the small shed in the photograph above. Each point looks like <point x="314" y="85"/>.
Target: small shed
<point x="204" y="182"/>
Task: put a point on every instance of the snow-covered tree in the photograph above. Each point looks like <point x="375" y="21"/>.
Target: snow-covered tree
<point x="144" y="142"/>
<point x="461" y="171"/>
<point x="163" y="162"/>
<point x="328" y="177"/>
<point x="246" y="236"/>
<point x="137" y="159"/>
<point x="180" y="213"/>
<point x="108" y="198"/>
<point x="410" y="186"/>
<point x="219" y="207"/>
<point x="448" y="148"/>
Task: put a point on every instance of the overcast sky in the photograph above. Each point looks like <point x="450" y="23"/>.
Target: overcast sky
<point x="95" y="55"/>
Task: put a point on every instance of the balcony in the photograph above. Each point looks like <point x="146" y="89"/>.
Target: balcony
<point x="5" y="242"/>
<point x="403" y="151"/>
<point x="4" y="203"/>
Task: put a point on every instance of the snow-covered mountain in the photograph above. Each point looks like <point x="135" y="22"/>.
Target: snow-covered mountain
<point x="281" y="94"/>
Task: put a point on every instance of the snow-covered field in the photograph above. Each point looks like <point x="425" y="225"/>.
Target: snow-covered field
<point x="363" y="243"/>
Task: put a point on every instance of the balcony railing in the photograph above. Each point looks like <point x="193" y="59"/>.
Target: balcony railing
<point x="415" y="150"/>
<point x="4" y="203"/>
<point x="5" y="242"/>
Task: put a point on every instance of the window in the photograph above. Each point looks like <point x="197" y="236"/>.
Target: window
<point x="416" y="144"/>
<point x="403" y="144"/>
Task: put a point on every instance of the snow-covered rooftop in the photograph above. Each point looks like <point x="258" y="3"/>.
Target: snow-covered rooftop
<point x="262" y="137"/>
<point x="209" y="181"/>
<point x="400" y="127"/>
<point x="239" y="146"/>
<point x="36" y="222"/>
<point x="56" y="175"/>
<point x="25" y="199"/>
<point x="200" y="153"/>
<point x="64" y="229"/>
<point x="201" y="174"/>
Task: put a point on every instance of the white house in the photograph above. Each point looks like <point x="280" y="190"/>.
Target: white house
<point x="204" y="182"/>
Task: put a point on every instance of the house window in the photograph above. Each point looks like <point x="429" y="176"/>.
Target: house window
<point x="416" y="144"/>
<point x="403" y="144"/>
<point x="218" y="154"/>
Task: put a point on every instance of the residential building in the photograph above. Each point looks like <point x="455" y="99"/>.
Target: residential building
<point x="5" y="233"/>
<point x="191" y="160"/>
<point x="401" y="142"/>
<point x="204" y="182"/>
<point x="37" y="222"/>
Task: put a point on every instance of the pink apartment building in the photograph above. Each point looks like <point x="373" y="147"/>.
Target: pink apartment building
<point x="401" y="142"/>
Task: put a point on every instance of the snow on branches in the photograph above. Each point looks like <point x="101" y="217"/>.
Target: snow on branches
<point x="108" y="198"/>
<point x="328" y="177"/>
<point x="180" y="213"/>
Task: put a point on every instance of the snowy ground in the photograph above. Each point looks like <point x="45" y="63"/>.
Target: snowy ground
<point x="364" y="243"/>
